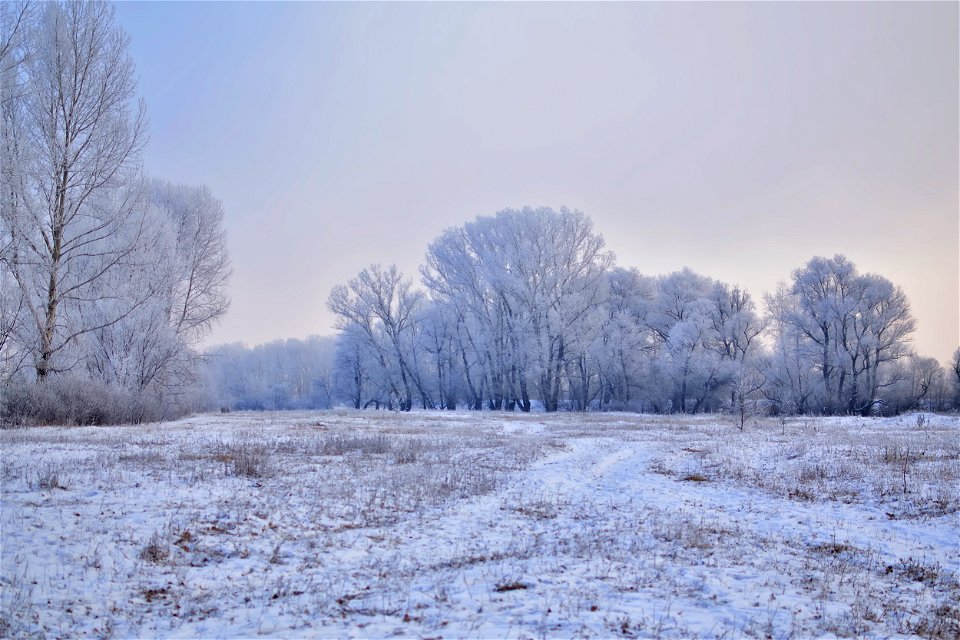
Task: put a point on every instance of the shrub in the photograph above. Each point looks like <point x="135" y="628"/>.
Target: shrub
<point x="155" y="550"/>
<point x="250" y="461"/>
<point x="75" y="400"/>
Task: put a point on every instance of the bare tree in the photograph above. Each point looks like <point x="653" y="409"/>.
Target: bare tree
<point x="79" y="217"/>
<point x="822" y="290"/>
<point x="15" y="19"/>
<point x="791" y="382"/>
<point x="736" y="325"/>
<point x="955" y="378"/>
<point x="382" y="306"/>
<point x="625" y="343"/>
<point x="201" y="267"/>
<point x="528" y="280"/>
<point x="852" y="326"/>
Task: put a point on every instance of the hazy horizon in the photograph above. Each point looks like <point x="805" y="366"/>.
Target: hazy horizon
<point x="739" y="140"/>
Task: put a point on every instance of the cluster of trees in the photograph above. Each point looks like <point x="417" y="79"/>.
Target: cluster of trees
<point x="108" y="279"/>
<point x="527" y="309"/>
<point x="841" y="341"/>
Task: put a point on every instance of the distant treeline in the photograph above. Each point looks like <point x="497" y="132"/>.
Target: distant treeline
<point x="286" y="374"/>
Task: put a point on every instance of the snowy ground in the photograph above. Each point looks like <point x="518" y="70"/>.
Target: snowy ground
<point x="482" y="525"/>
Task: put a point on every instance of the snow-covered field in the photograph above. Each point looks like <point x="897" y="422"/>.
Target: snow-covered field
<point x="482" y="525"/>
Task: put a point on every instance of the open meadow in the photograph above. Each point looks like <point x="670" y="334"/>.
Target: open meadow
<point x="376" y="524"/>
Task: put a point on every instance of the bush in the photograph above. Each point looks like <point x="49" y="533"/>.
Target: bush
<point x="74" y="400"/>
<point x="250" y="461"/>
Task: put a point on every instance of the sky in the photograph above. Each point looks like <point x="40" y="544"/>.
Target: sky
<point x="737" y="139"/>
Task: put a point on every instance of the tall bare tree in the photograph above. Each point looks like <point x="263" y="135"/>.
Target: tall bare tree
<point x="382" y="307"/>
<point x="200" y="264"/>
<point x="79" y="210"/>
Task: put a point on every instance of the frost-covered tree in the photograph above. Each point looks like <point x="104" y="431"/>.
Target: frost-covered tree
<point x="196" y="246"/>
<point x="954" y="374"/>
<point x="884" y="327"/>
<point x="676" y="342"/>
<point x="354" y="370"/>
<point x="734" y="320"/>
<point x="792" y="385"/>
<point x="464" y="274"/>
<point x="553" y="265"/>
<point x="383" y="308"/>
<point x="523" y="284"/>
<point x="75" y="216"/>
<point x="284" y="374"/>
<point x="438" y="339"/>
<point x="625" y="344"/>
<point x="682" y="324"/>
<point x="182" y="261"/>
<point x="914" y="383"/>
<point x="849" y="327"/>
<point x="823" y="292"/>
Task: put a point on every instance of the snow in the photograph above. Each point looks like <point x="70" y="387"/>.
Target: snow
<point x="374" y="524"/>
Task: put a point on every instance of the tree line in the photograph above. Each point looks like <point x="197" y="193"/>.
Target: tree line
<point x="109" y="279"/>
<point x="527" y="309"/>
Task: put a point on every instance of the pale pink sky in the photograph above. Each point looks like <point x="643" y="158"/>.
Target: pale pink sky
<point x="736" y="139"/>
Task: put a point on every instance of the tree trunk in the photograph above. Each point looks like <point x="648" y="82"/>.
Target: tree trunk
<point x="524" y="395"/>
<point x="58" y="216"/>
